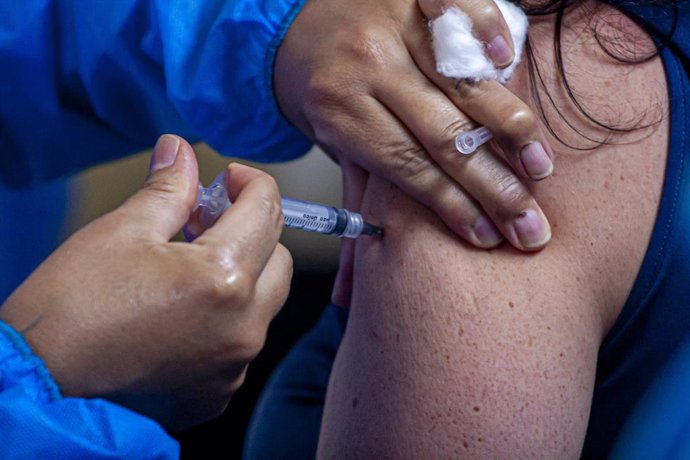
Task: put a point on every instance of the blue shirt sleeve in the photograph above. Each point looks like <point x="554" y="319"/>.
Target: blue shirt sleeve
<point x="37" y="422"/>
<point x="85" y="82"/>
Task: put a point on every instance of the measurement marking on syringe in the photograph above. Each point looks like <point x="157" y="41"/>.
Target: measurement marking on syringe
<point x="306" y="223"/>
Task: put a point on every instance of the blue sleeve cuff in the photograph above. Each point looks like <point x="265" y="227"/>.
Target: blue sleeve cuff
<point x="219" y="68"/>
<point x="36" y="422"/>
<point x="20" y="366"/>
<point x="272" y="49"/>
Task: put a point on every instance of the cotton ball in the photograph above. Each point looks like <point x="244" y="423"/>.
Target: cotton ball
<point x="460" y="55"/>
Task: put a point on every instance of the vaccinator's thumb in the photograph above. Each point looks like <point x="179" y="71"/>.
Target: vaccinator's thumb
<point x="162" y="206"/>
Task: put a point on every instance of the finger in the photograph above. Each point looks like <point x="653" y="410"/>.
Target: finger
<point x="488" y="25"/>
<point x="508" y="202"/>
<point x="259" y="306"/>
<point x="434" y="120"/>
<point x="354" y="182"/>
<point x="513" y="124"/>
<point x="162" y="206"/>
<point x="247" y="233"/>
<point x="380" y="144"/>
<point x="273" y="285"/>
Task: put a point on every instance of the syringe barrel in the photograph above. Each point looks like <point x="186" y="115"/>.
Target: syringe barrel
<point x="313" y="217"/>
<point x="319" y="218"/>
<point x="302" y="215"/>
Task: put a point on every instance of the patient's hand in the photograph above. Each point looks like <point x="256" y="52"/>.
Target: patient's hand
<point x="360" y="79"/>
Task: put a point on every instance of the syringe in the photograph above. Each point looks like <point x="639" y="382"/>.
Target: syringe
<point x="469" y="141"/>
<point x="303" y="215"/>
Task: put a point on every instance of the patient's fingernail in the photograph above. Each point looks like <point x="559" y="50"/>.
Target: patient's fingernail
<point x="499" y="51"/>
<point x="536" y="161"/>
<point x="532" y="229"/>
<point x="165" y="152"/>
<point x="486" y="232"/>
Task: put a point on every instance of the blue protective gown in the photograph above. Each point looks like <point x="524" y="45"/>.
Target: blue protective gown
<point x="83" y="82"/>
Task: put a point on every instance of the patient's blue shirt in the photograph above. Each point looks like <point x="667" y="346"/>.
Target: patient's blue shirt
<point x="655" y="320"/>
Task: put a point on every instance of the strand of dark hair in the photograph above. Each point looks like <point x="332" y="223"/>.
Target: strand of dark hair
<point x="559" y="8"/>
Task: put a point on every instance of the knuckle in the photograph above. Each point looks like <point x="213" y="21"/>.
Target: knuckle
<point x="511" y="193"/>
<point x="411" y="164"/>
<point x="162" y="186"/>
<point x="285" y="259"/>
<point x="269" y="204"/>
<point x="446" y="141"/>
<point x="248" y="343"/>
<point x="233" y="386"/>
<point x="327" y="89"/>
<point x="520" y="121"/>
<point x="486" y="14"/>
<point x="369" y="48"/>
<point x="232" y="286"/>
<point x="267" y="181"/>
<point x="337" y="131"/>
<point x="287" y="268"/>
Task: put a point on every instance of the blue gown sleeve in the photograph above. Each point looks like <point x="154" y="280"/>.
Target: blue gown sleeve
<point x="85" y="82"/>
<point x="37" y="422"/>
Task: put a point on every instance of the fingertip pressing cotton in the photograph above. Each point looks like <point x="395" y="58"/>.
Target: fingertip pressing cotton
<point x="459" y="54"/>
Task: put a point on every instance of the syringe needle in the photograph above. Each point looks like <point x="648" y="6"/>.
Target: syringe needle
<point x="372" y="230"/>
<point x="328" y="220"/>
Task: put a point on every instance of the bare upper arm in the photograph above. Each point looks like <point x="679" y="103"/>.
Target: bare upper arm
<point x="492" y="354"/>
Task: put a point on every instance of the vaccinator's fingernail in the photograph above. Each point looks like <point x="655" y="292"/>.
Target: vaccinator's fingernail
<point x="536" y="161"/>
<point x="165" y="152"/>
<point x="486" y="232"/>
<point x="532" y="229"/>
<point x="499" y="51"/>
